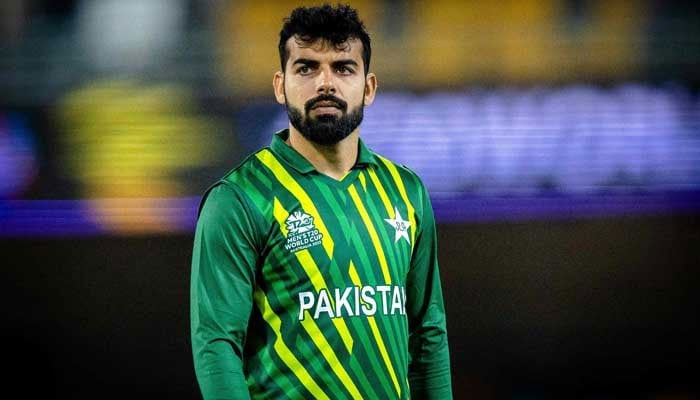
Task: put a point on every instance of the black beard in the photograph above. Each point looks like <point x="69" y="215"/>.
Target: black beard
<point x="325" y="130"/>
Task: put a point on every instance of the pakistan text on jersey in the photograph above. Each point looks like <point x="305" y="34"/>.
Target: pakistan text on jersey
<point x="353" y="301"/>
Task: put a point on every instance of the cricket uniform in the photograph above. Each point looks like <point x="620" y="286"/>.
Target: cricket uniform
<point x="306" y="287"/>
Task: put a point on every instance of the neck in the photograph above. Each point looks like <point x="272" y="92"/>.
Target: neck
<point x="332" y="160"/>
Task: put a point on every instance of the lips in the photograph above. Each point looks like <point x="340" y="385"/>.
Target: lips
<point x="325" y="103"/>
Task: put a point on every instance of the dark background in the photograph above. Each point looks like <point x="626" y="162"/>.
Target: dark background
<point x="592" y="308"/>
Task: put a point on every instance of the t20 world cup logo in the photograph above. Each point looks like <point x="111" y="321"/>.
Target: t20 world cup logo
<point x="299" y="222"/>
<point x="301" y="232"/>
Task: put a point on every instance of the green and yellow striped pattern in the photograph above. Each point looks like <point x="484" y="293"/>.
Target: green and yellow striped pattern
<point x="327" y="355"/>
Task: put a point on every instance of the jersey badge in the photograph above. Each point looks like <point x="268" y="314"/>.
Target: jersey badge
<point x="301" y="232"/>
<point x="400" y="226"/>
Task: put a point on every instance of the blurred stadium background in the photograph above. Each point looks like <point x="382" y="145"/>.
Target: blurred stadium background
<point x="560" y="141"/>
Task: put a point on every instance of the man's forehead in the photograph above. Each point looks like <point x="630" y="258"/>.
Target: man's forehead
<point x="298" y="48"/>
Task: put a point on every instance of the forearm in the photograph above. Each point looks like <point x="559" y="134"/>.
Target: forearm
<point x="220" y="373"/>
<point x="431" y="378"/>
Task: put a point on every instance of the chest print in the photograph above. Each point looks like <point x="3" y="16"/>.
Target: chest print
<point x="400" y="226"/>
<point x="301" y="232"/>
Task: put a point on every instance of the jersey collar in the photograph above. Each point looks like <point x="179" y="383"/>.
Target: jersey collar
<point x="302" y="165"/>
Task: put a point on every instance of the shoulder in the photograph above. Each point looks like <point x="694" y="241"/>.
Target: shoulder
<point x="251" y="165"/>
<point x="219" y="199"/>
<point x="403" y="174"/>
<point x="231" y="188"/>
<point x="408" y="184"/>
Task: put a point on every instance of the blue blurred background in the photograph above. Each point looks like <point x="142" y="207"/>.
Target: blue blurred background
<point x="559" y="139"/>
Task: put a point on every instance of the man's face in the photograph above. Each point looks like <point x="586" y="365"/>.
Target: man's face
<point x="324" y="89"/>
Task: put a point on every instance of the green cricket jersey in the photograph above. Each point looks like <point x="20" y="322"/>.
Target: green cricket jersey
<point x="305" y="287"/>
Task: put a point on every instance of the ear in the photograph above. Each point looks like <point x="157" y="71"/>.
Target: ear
<point x="278" y="86"/>
<point x="370" y="88"/>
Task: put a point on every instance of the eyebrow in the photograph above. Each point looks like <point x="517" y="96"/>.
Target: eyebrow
<point x="341" y="63"/>
<point x="306" y="61"/>
<point x="314" y="63"/>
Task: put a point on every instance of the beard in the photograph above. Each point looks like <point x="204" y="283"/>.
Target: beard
<point x="325" y="130"/>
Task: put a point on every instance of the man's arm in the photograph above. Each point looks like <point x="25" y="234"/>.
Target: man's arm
<point x="221" y="290"/>
<point x="429" y="369"/>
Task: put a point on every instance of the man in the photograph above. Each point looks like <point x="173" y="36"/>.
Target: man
<point x="314" y="270"/>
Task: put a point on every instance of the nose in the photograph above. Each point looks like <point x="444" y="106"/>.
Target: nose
<point x="325" y="84"/>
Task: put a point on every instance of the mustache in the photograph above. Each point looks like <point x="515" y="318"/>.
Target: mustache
<point x="342" y="105"/>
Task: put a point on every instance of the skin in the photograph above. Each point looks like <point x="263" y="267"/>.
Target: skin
<point x="321" y="68"/>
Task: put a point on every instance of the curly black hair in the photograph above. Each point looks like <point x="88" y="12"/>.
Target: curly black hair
<point x="333" y="24"/>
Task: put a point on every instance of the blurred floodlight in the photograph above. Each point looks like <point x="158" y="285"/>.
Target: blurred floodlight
<point x="126" y="144"/>
<point x="576" y="139"/>
<point x="127" y="34"/>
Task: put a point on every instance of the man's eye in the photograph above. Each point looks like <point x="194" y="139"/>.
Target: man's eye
<point x="304" y="69"/>
<point x="343" y="70"/>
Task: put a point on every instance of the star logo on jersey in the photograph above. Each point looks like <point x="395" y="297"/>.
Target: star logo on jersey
<point x="400" y="226"/>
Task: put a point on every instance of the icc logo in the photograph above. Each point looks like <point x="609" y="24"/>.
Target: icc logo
<point x="299" y="222"/>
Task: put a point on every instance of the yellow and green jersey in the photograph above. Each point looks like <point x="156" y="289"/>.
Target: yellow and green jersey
<point x="307" y="287"/>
